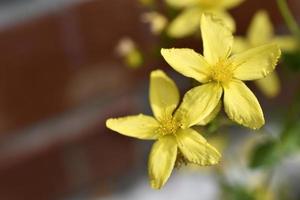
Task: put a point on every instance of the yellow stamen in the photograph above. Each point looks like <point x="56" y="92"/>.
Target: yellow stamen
<point x="222" y="72"/>
<point x="168" y="125"/>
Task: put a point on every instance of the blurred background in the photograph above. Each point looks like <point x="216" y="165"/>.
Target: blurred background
<point x="61" y="78"/>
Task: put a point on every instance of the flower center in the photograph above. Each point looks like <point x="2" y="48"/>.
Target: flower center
<point x="222" y="72"/>
<point x="168" y="125"/>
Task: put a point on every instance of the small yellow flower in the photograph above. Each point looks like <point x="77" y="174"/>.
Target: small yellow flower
<point x="261" y="32"/>
<point x="187" y="22"/>
<point x="174" y="143"/>
<point x="147" y="2"/>
<point x="131" y="55"/>
<point x="156" y="20"/>
<point x="223" y="74"/>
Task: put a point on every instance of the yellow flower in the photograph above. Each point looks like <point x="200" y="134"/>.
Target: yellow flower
<point x="187" y="22"/>
<point x="131" y="55"/>
<point x="147" y="2"/>
<point x="261" y="32"/>
<point x="156" y="20"/>
<point x="174" y="143"/>
<point x="223" y="74"/>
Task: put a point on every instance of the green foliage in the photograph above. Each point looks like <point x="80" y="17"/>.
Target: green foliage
<point x="265" y="154"/>
<point x="270" y="152"/>
<point x="291" y="138"/>
<point x="237" y="192"/>
<point x="292" y="60"/>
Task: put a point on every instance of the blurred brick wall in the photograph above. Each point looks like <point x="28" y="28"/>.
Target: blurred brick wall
<point x="52" y="66"/>
<point x="42" y="57"/>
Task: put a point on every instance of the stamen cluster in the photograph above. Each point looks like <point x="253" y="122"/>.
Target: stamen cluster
<point x="222" y="72"/>
<point x="168" y="125"/>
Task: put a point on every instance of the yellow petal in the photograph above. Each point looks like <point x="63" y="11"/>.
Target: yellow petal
<point x="255" y="63"/>
<point x="286" y="43"/>
<point x="261" y="29"/>
<point x="227" y="19"/>
<point x="187" y="62"/>
<point x="220" y="141"/>
<point x="196" y="149"/>
<point x="161" y="161"/>
<point x="211" y="116"/>
<point x="131" y="55"/>
<point x="217" y="39"/>
<point x="156" y="20"/>
<point x="270" y="86"/>
<point x="164" y="94"/>
<point x="242" y="106"/>
<point x="134" y="59"/>
<point x="228" y="4"/>
<point x="240" y="45"/>
<point x="209" y="4"/>
<point x="198" y="104"/>
<point x="185" y="23"/>
<point x="138" y="126"/>
<point x="181" y="3"/>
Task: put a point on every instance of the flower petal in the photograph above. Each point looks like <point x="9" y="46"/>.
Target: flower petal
<point x="186" y="23"/>
<point x="242" y="106"/>
<point x="164" y="94"/>
<point x="211" y="116"/>
<point x="261" y="29"/>
<point x="196" y="149"/>
<point x="270" y="85"/>
<point x="138" y="126"/>
<point x="286" y="43"/>
<point x="198" y="104"/>
<point x="240" y="44"/>
<point x="157" y="21"/>
<point x="161" y="161"/>
<point x="255" y="63"/>
<point x="227" y="19"/>
<point x="187" y="62"/>
<point x="228" y="4"/>
<point x="182" y="3"/>
<point x="217" y="39"/>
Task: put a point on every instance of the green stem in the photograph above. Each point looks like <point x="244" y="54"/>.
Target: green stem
<point x="288" y="18"/>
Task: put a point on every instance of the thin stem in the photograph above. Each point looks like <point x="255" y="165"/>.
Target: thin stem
<point x="288" y="18"/>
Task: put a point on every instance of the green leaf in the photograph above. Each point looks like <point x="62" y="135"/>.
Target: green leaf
<point x="291" y="138"/>
<point x="292" y="60"/>
<point x="265" y="154"/>
<point x="237" y="192"/>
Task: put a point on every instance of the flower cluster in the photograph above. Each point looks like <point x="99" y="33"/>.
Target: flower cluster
<point x="221" y="74"/>
<point x="187" y="22"/>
